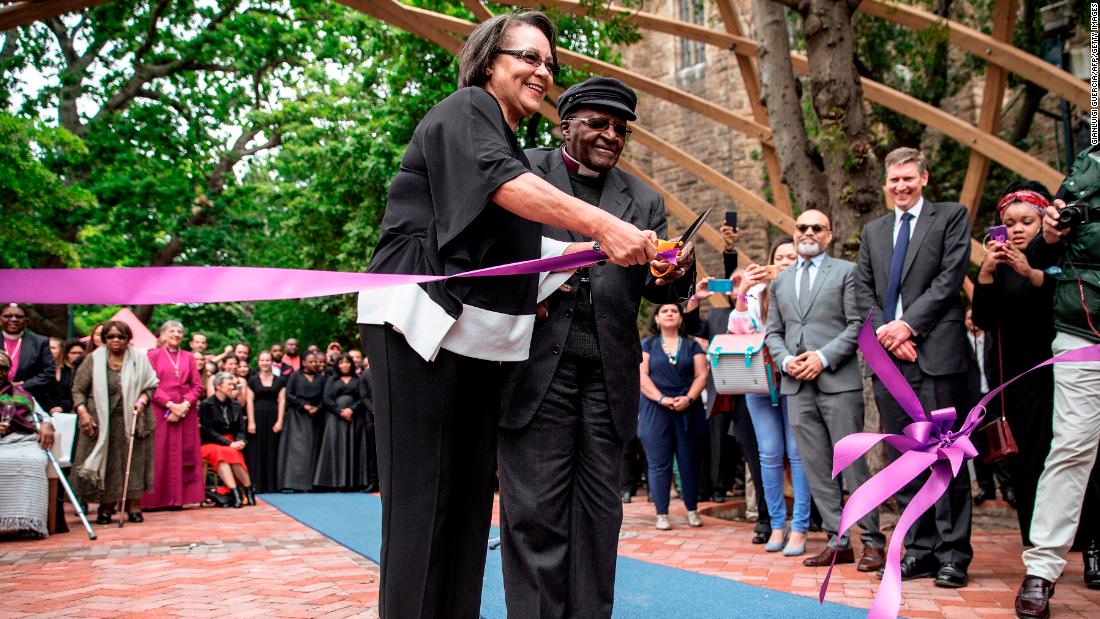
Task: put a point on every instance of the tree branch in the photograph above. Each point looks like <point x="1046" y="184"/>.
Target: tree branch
<point x="153" y="95"/>
<point x="151" y="31"/>
<point x="11" y="42"/>
<point x="61" y="33"/>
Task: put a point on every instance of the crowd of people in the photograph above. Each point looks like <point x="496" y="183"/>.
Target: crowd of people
<point x="292" y="422"/>
<point x="541" y="383"/>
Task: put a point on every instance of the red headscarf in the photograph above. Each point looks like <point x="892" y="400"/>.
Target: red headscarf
<point x="1038" y="201"/>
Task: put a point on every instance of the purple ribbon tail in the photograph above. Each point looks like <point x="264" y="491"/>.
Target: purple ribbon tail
<point x="887" y="600"/>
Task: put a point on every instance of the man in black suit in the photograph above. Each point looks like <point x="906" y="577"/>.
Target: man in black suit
<point x="571" y="407"/>
<point x="911" y="268"/>
<point x="33" y="365"/>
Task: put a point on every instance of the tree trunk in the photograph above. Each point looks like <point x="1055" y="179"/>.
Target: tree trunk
<point x="799" y="159"/>
<point x="853" y="173"/>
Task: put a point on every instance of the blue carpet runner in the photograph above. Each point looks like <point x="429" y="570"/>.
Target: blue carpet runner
<point x="642" y="590"/>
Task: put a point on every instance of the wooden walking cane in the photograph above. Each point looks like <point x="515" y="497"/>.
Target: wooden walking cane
<point x="126" y="479"/>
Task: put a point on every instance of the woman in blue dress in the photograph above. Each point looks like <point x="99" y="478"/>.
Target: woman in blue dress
<point x="671" y="420"/>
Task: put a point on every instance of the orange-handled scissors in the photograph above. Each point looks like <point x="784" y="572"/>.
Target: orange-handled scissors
<point x="665" y="248"/>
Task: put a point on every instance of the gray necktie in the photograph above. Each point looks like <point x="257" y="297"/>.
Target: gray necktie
<point x="804" y="288"/>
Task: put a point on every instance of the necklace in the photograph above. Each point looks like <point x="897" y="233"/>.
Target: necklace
<point x="673" y="356"/>
<point x="176" y="363"/>
<point x="114" y="365"/>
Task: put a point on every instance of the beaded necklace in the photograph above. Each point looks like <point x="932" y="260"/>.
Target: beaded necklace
<point x="673" y="356"/>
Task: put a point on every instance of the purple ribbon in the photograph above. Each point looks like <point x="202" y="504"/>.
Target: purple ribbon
<point x="927" y="442"/>
<point x="160" y="285"/>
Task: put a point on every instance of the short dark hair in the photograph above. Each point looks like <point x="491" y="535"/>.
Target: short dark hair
<point x="477" y="52"/>
<point x="336" y="365"/>
<point x="120" y="326"/>
<point x="656" y="330"/>
<point x="68" y="345"/>
<point x="783" y="240"/>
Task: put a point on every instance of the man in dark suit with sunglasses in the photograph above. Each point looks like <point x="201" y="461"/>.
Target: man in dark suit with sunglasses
<point x="570" y="408"/>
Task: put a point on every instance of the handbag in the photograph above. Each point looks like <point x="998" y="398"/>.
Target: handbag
<point x="741" y="363"/>
<point x="999" y="441"/>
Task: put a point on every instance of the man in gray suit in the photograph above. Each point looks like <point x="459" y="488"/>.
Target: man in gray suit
<point x="570" y="408"/>
<point x="813" y="320"/>
<point x="911" y="267"/>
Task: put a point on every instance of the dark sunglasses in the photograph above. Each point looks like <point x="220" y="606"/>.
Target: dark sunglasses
<point x="601" y="124"/>
<point x="115" y="336"/>
<point x="817" y="228"/>
<point x="532" y="58"/>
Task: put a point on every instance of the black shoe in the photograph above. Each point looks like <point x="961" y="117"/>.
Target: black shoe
<point x="1033" y="597"/>
<point x="912" y="568"/>
<point x="103" y="518"/>
<point x="135" y="517"/>
<point x="760" y="537"/>
<point x="218" y="500"/>
<point x="1091" y="555"/>
<point x="251" y="494"/>
<point x="371" y="488"/>
<point x="627" y="496"/>
<point x="951" y="575"/>
<point x="720" y="497"/>
<point x="1009" y="496"/>
<point x="236" y="494"/>
<point x="984" y="495"/>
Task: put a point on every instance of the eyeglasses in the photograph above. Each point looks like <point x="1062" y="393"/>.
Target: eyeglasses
<point x="817" y="228"/>
<point x="601" y="124"/>
<point x="115" y="336"/>
<point x="532" y="58"/>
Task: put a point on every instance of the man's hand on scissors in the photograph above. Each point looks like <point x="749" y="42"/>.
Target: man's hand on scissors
<point x="684" y="261"/>
<point x="626" y="245"/>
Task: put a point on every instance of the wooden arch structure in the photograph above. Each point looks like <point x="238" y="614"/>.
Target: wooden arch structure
<point x="1001" y="58"/>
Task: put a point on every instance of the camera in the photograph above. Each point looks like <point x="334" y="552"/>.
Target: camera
<point x="1077" y="213"/>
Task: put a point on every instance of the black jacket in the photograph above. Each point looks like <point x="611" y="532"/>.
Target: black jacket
<point x="37" y="369"/>
<point x="215" y="421"/>
<point x="616" y="295"/>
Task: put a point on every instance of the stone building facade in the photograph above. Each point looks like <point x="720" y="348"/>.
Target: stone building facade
<point x="712" y="74"/>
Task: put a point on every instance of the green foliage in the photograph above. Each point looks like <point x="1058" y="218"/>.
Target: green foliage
<point x="150" y="169"/>
<point x="34" y="195"/>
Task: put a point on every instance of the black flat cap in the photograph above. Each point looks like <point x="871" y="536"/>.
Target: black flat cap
<point x="605" y="93"/>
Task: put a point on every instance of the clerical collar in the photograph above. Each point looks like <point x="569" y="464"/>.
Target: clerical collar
<point x="577" y="167"/>
<point x="9" y="336"/>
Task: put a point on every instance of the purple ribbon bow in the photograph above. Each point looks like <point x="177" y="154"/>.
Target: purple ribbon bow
<point x="927" y="442"/>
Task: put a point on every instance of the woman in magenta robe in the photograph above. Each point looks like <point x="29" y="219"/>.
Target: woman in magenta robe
<point x="177" y="474"/>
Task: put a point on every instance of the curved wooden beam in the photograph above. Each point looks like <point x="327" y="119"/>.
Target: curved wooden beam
<point x="29" y="11"/>
<point x="750" y="78"/>
<point x="739" y="122"/>
<point x="988" y="145"/>
<point x="1000" y="53"/>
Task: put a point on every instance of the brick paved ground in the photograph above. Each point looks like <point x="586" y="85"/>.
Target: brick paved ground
<point x="258" y="561"/>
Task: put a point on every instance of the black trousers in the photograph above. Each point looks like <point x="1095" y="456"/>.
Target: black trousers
<point x="721" y="472"/>
<point x="436" y="426"/>
<point x="742" y="430"/>
<point x="560" y="509"/>
<point x="943" y="532"/>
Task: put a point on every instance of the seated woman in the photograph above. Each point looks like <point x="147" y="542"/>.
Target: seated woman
<point x="222" y="428"/>
<point x="24" y="491"/>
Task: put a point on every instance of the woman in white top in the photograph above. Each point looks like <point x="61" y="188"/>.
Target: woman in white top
<point x="773" y="431"/>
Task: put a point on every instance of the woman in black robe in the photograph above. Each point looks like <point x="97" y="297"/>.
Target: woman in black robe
<point x="1013" y="301"/>
<point x="336" y="465"/>
<point x="266" y="415"/>
<point x="305" y="392"/>
<point x="464" y="198"/>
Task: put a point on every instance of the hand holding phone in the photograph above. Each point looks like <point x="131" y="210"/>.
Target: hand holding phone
<point x="720" y="285"/>
<point x="770" y="272"/>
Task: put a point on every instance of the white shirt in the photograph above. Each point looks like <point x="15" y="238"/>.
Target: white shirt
<point x="814" y="266"/>
<point x="915" y="212"/>
<point x="977" y="344"/>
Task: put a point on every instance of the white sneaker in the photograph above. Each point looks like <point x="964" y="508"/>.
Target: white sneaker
<point x="662" y="522"/>
<point x="694" y="520"/>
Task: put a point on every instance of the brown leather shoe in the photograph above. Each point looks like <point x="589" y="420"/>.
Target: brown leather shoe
<point x="871" y="559"/>
<point x="825" y="558"/>
<point x="1033" y="598"/>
